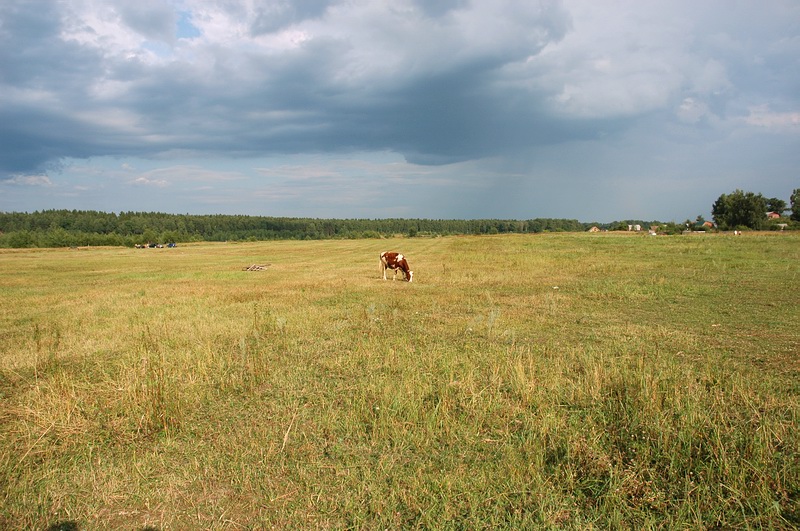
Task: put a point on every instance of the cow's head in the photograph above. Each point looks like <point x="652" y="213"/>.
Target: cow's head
<point x="410" y="275"/>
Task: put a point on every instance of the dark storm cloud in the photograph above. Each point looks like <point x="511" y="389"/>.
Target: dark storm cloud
<point x="150" y="18"/>
<point x="437" y="8"/>
<point x="32" y="55"/>
<point x="272" y="16"/>
<point x="248" y="101"/>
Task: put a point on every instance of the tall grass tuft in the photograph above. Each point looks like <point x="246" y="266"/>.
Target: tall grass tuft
<point x="156" y="391"/>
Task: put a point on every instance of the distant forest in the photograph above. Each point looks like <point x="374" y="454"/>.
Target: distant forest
<point x="73" y="228"/>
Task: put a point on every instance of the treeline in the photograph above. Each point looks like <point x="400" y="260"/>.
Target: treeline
<point x="67" y="228"/>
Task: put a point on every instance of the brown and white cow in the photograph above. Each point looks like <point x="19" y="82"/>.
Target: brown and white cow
<point x="395" y="262"/>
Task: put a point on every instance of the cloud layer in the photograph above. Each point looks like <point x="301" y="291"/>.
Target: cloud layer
<point x="528" y="102"/>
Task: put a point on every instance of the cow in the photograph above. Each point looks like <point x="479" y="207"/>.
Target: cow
<point x="395" y="261"/>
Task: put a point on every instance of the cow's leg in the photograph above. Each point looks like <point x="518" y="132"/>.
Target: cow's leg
<point x="382" y="265"/>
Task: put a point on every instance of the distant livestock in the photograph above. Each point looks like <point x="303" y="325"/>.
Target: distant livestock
<point x="154" y="245"/>
<point x="395" y="262"/>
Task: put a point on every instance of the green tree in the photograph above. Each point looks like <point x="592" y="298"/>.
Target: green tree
<point x="740" y="209"/>
<point x="149" y="236"/>
<point x="21" y="239"/>
<point x="795" y="200"/>
<point x="776" y="205"/>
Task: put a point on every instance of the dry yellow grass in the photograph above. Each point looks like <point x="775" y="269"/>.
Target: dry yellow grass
<point x="566" y="380"/>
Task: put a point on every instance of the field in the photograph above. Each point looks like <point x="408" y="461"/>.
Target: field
<point x="563" y="381"/>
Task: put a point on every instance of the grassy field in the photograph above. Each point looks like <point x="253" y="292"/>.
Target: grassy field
<point x="564" y="381"/>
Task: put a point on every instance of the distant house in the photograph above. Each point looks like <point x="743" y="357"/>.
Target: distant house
<point x="637" y="228"/>
<point x="708" y="225"/>
<point x="594" y="228"/>
<point x="773" y="215"/>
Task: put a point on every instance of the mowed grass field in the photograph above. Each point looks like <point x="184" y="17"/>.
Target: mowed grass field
<point x="554" y="381"/>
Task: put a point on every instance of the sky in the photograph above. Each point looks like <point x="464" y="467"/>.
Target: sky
<point x="444" y="109"/>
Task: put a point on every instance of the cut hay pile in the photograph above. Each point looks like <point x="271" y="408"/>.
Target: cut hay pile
<point x="256" y="267"/>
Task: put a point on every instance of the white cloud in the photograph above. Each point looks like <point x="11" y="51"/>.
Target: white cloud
<point x="146" y="181"/>
<point x="692" y="111"/>
<point x="762" y="116"/>
<point x="98" y="24"/>
<point x="30" y="180"/>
